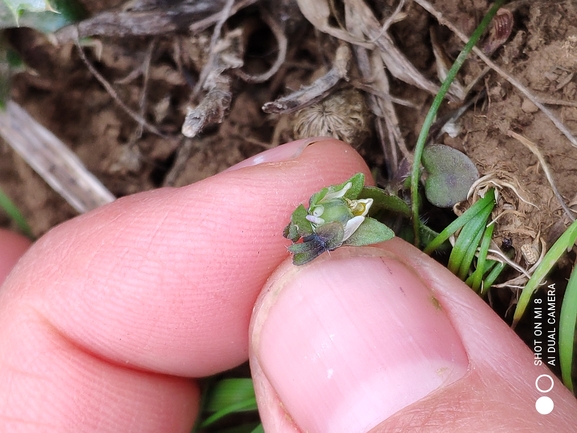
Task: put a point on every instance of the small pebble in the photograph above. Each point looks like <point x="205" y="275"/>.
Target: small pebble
<point x="528" y="107"/>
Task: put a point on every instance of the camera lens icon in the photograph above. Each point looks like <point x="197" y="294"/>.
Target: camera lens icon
<point x="544" y="405"/>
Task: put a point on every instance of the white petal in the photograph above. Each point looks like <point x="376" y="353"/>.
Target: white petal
<point x="337" y="194"/>
<point x="315" y="220"/>
<point x="360" y="207"/>
<point x="318" y="210"/>
<point x="352" y="225"/>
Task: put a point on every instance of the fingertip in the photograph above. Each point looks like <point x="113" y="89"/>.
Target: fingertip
<point x="169" y="277"/>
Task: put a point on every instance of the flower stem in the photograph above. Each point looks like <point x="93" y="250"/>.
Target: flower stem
<point x="433" y="112"/>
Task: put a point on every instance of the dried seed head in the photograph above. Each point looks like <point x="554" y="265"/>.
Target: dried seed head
<point x="530" y="253"/>
<point x="500" y="31"/>
<point x="343" y="115"/>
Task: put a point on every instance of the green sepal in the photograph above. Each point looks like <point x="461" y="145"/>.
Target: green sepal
<point x="370" y="232"/>
<point x="385" y="201"/>
<point x="45" y="16"/>
<point x="299" y="227"/>
<point x="357" y="183"/>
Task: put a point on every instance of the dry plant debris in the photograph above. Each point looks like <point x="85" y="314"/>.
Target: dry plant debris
<point x="206" y="69"/>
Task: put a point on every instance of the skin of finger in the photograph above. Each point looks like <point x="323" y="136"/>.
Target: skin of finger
<point x="154" y="285"/>
<point x="497" y="394"/>
<point x="12" y="246"/>
<point x="51" y="385"/>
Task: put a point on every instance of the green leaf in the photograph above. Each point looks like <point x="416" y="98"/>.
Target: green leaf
<point x="227" y="392"/>
<point x="241" y="406"/>
<point x="566" y="240"/>
<point x="10" y="208"/>
<point x="468" y="215"/>
<point x="229" y="396"/>
<point x="482" y="259"/>
<point x="358" y="182"/>
<point x="385" y="201"/>
<point x="41" y="15"/>
<point x="299" y="227"/>
<point x="495" y="270"/>
<point x="370" y="232"/>
<point x="451" y="174"/>
<point x="461" y="257"/>
<point x="567" y="322"/>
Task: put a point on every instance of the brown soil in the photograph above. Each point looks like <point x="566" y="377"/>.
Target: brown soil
<point x="62" y="94"/>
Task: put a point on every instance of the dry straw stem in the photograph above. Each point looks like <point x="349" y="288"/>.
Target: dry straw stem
<point x="192" y="17"/>
<point x="429" y="8"/>
<point x="319" y="12"/>
<point x="319" y="89"/>
<point x="533" y="148"/>
<point x="209" y="65"/>
<point x="282" y="42"/>
<point x="143" y="70"/>
<point x="185" y="149"/>
<point x="212" y="109"/>
<point x="225" y="55"/>
<point x="397" y="64"/>
<point x="372" y="70"/>
<point x="134" y="115"/>
<point x="52" y="160"/>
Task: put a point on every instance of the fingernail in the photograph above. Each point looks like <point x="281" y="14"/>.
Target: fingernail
<point x="348" y="341"/>
<point x="284" y="152"/>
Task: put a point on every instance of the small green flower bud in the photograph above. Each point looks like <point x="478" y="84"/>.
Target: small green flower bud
<point x="335" y="217"/>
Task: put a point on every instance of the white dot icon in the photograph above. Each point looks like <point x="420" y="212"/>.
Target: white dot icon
<point x="544" y="405"/>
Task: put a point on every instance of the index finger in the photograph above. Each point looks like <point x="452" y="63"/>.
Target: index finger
<point x="165" y="281"/>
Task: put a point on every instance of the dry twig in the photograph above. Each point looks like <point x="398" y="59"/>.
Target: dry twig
<point x="319" y="14"/>
<point x="211" y="110"/>
<point x="52" y="160"/>
<point x="193" y="16"/>
<point x="137" y="117"/>
<point x="209" y="65"/>
<point x="282" y="42"/>
<point x="227" y="54"/>
<point x="317" y="90"/>
<point x="533" y="148"/>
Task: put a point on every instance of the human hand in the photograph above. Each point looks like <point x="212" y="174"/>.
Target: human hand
<point x="107" y="317"/>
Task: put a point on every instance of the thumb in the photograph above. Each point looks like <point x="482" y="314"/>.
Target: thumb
<point x="385" y="338"/>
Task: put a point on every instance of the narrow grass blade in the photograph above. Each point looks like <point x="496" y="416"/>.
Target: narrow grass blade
<point x="468" y="215"/>
<point x="242" y="406"/>
<point x="566" y="241"/>
<point x="567" y="322"/>
<point x="228" y="396"/>
<point x="497" y="268"/>
<point x="465" y="240"/>
<point x="479" y="225"/>
<point x="227" y="392"/>
<point x="482" y="259"/>
<point x="12" y="211"/>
